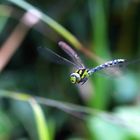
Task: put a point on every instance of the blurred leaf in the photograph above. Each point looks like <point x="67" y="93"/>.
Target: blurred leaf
<point x="126" y="88"/>
<point x="3" y="21"/>
<point x="52" y="23"/>
<point x="6" y="126"/>
<point x="41" y="123"/>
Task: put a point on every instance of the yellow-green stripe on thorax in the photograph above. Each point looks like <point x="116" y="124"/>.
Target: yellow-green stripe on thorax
<point x="83" y="73"/>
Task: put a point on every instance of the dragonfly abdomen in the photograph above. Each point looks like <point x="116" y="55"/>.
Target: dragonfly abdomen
<point x="113" y="63"/>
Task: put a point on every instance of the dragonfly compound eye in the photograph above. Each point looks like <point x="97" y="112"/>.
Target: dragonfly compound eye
<point x="74" y="78"/>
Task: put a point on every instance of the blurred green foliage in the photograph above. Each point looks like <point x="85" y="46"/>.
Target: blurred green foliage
<point x="109" y="29"/>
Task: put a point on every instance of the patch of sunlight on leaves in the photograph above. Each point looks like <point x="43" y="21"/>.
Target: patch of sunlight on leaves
<point x="103" y="130"/>
<point x="131" y="116"/>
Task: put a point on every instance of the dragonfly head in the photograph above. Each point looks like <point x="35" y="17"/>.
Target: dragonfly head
<point x="75" y="78"/>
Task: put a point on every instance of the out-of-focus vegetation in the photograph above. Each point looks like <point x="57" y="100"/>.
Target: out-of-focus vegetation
<point x="37" y="100"/>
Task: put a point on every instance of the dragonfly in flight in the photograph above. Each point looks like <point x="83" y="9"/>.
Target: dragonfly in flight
<point x="81" y="74"/>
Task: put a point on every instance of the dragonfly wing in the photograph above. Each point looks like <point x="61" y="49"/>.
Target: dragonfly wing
<point x="54" y="57"/>
<point x="109" y="69"/>
<point x="117" y="69"/>
<point x="110" y="64"/>
<point x="74" y="56"/>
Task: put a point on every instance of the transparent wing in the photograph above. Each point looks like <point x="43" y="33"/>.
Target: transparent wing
<point x="110" y="64"/>
<point x="74" y="56"/>
<point x="52" y="56"/>
<point x="111" y="69"/>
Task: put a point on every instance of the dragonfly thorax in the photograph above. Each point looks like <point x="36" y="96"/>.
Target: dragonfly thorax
<point x="79" y="76"/>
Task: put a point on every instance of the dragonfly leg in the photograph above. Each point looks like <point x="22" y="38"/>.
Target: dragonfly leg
<point x="83" y="80"/>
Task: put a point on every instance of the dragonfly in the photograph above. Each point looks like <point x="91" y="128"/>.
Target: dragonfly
<point x="81" y="73"/>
